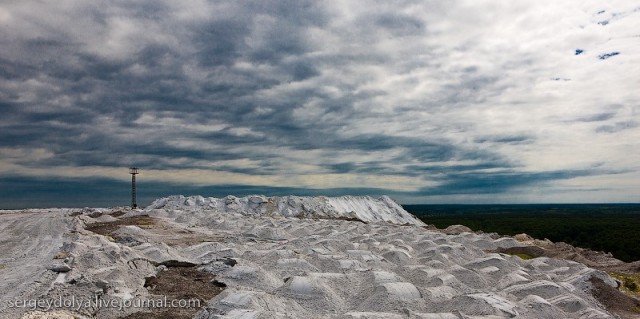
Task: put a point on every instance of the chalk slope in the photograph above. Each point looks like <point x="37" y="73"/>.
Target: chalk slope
<point x="363" y="208"/>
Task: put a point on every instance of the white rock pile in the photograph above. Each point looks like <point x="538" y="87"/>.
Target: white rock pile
<point x="363" y="208"/>
<point x="306" y="257"/>
<point x="330" y="268"/>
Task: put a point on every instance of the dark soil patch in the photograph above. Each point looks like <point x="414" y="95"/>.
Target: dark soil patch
<point x="532" y="251"/>
<point x="107" y="228"/>
<point x="615" y="300"/>
<point x="166" y="233"/>
<point x="118" y="213"/>
<point x="349" y="219"/>
<point x="184" y="285"/>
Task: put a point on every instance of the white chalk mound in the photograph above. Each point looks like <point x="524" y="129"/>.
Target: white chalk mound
<point x="325" y="264"/>
<point x="364" y="208"/>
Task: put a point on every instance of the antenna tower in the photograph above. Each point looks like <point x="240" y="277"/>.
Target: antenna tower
<point x="133" y="171"/>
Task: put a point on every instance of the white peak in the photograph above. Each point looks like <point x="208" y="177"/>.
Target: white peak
<point x="364" y="208"/>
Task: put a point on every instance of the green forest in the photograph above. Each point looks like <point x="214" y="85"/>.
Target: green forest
<point x="610" y="230"/>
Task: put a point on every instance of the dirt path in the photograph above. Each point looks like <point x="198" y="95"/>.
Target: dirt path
<point x="28" y="242"/>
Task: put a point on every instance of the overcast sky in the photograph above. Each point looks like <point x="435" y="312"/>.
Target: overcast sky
<point x="427" y="101"/>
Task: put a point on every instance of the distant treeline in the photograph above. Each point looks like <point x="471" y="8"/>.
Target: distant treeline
<point x="610" y="228"/>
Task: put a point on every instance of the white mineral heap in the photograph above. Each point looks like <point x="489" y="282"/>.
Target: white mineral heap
<point x="363" y="208"/>
<point x="288" y="257"/>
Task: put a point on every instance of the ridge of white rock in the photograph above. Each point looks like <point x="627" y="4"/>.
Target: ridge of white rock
<point x="275" y="267"/>
<point x="364" y="208"/>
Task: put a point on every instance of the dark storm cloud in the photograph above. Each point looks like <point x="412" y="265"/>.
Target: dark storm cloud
<point x="496" y="183"/>
<point x="220" y="42"/>
<point x="507" y="139"/>
<point x="10" y="70"/>
<point x="398" y="25"/>
<point x="227" y="94"/>
<point x="257" y="87"/>
<point x="597" y="117"/>
<point x="457" y="169"/>
<point x="302" y="71"/>
<point x="369" y="167"/>
<point x="617" y="127"/>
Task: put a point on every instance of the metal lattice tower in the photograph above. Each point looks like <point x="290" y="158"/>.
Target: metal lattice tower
<point x="133" y="171"/>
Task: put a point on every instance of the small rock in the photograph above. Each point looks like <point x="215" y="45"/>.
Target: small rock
<point x="74" y="278"/>
<point x="60" y="255"/>
<point x="92" y="212"/>
<point x="257" y="199"/>
<point x="523" y="237"/>
<point x="230" y="262"/>
<point x="59" y="268"/>
<point x="457" y="229"/>
<point x="102" y="284"/>
<point x="75" y="213"/>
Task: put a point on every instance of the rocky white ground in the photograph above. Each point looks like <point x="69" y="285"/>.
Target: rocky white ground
<point x="28" y="241"/>
<point x="288" y="257"/>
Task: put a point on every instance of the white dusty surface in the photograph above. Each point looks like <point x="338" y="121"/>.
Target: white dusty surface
<point x="28" y="241"/>
<point x="319" y="267"/>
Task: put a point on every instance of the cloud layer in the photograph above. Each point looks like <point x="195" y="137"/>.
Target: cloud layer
<point x="457" y="101"/>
